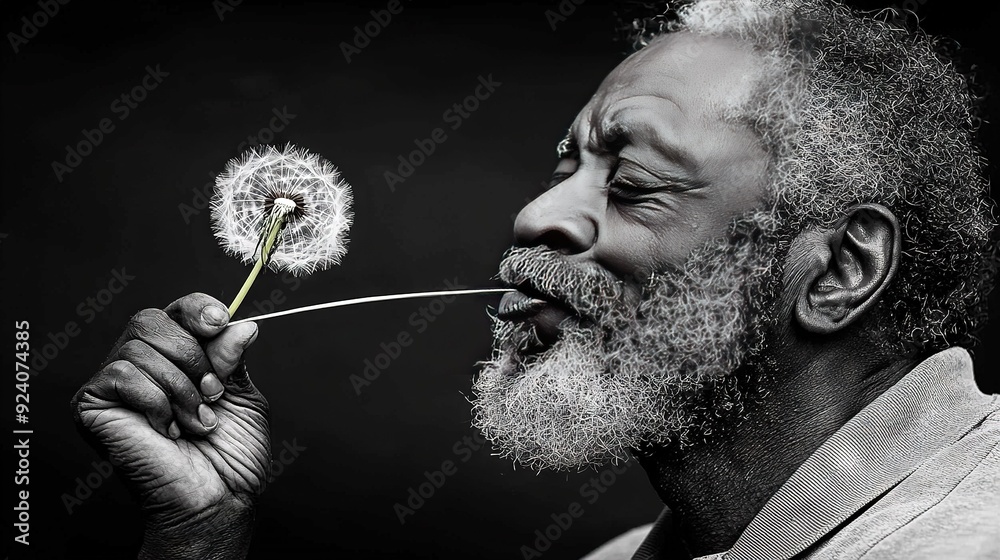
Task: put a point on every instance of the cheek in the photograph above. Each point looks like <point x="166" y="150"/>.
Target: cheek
<point x="631" y="250"/>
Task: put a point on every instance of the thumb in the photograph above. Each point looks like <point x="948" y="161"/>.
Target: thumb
<point x="225" y="351"/>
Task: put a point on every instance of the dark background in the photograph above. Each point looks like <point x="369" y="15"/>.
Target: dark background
<point x="121" y="207"/>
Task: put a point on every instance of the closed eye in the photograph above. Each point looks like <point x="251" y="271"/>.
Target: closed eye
<point x="632" y="190"/>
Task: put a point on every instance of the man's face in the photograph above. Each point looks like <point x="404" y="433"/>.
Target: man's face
<point x="634" y="299"/>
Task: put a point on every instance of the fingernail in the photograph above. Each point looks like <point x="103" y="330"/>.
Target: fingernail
<point x="174" y="431"/>
<point x="214" y="315"/>
<point x="211" y="387"/>
<point x="207" y="416"/>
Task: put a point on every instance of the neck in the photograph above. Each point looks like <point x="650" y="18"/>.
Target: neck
<point x="715" y="489"/>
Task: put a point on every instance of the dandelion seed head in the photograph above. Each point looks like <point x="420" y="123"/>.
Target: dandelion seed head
<point x="305" y="186"/>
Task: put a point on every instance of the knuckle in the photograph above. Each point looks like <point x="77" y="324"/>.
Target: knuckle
<point x="203" y="298"/>
<point x="133" y="349"/>
<point x="145" y="321"/>
<point x="185" y="389"/>
<point x="192" y="360"/>
<point x="159" y="404"/>
<point x="120" y="368"/>
<point x="181" y="390"/>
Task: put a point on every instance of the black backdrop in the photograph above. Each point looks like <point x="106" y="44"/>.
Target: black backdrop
<point x="132" y="207"/>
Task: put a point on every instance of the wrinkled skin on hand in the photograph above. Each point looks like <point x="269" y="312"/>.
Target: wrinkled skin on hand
<point x="176" y="413"/>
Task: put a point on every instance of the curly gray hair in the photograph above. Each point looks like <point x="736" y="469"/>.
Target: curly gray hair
<point x="858" y="108"/>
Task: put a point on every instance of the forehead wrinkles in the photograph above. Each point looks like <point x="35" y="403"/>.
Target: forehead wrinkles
<point x="632" y="114"/>
<point x="631" y="121"/>
<point x="605" y="122"/>
<point x="714" y="74"/>
<point x="673" y="73"/>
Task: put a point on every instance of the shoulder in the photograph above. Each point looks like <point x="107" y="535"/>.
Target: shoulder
<point x="621" y="547"/>
<point x="947" y="508"/>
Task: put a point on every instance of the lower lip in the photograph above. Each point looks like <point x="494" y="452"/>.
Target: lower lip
<point x="545" y="316"/>
<point x="516" y="306"/>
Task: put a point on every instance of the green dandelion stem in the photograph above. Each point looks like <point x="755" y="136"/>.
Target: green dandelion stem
<point x="276" y="222"/>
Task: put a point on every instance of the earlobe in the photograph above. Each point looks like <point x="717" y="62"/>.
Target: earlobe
<point x="848" y="269"/>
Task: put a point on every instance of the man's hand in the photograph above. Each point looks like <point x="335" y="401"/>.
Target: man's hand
<point x="177" y="415"/>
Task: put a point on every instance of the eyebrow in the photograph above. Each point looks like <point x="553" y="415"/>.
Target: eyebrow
<point x="611" y="136"/>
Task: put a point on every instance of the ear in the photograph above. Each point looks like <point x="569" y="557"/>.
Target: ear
<point x="847" y="268"/>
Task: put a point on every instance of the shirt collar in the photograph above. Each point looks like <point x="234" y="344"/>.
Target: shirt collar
<point x="930" y="408"/>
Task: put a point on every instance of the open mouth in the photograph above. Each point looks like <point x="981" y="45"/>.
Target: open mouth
<point x="544" y="312"/>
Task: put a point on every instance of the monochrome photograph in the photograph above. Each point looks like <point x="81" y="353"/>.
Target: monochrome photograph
<point x="565" y="279"/>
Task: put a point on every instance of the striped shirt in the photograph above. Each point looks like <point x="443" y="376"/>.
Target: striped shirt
<point x="914" y="475"/>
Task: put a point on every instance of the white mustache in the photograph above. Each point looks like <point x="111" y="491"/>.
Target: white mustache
<point x="586" y="289"/>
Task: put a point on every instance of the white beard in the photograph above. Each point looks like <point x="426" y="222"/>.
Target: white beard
<point x="657" y="373"/>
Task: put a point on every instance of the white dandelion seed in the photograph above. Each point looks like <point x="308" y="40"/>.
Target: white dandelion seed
<point x="286" y="209"/>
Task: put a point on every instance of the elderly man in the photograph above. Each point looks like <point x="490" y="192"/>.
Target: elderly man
<point x="765" y="240"/>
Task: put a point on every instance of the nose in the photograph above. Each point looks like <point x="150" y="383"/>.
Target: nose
<point x="563" y="218"/>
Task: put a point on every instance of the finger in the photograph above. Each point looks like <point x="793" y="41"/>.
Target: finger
<point x="157" y="329"/>
<point x="122" y="382"/>
<point x="224" y="351"/>
<point x="200" y="314"/>
<point x="191" y="413"/>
